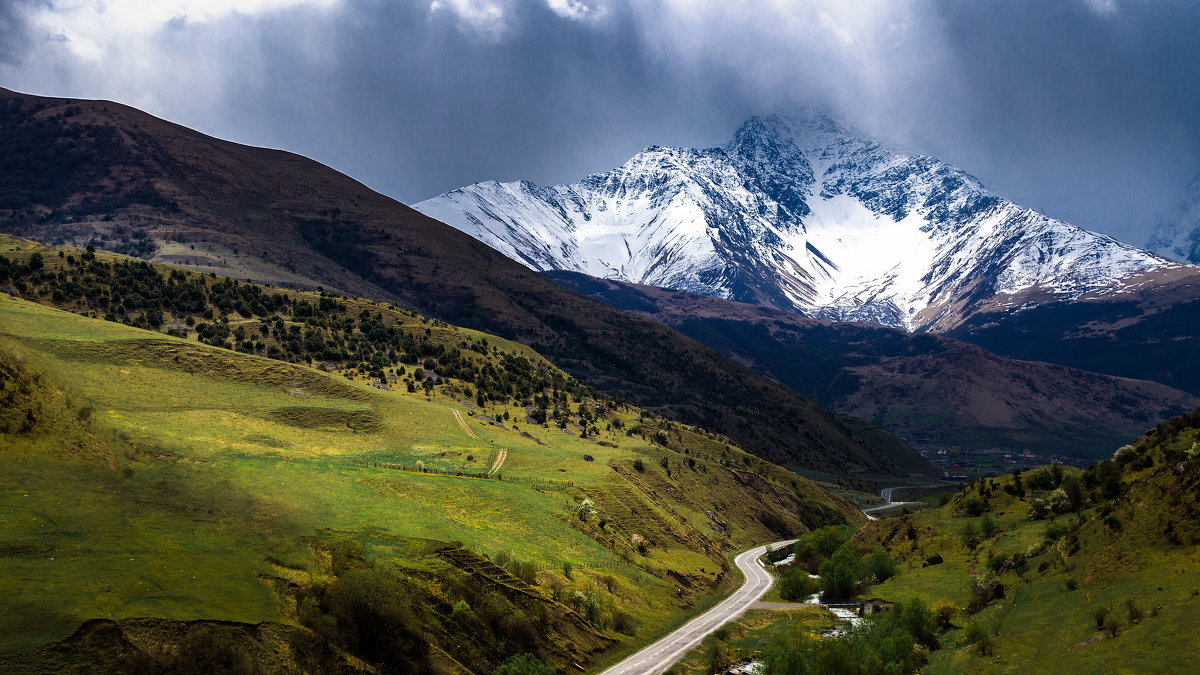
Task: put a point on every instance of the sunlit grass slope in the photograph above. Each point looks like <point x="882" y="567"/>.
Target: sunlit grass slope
<point x="154" y="476"/>
<point x="1109" y="587"/>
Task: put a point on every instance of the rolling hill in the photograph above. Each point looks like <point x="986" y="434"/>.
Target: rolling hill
<point x="1079" y="570"/>
<point x="173" y="505"/>
<point x="99" y="172"/>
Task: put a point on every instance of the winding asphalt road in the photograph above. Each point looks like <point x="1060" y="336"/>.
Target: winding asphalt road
<point x="659" y="656"/>
<point x="886" y="494"/>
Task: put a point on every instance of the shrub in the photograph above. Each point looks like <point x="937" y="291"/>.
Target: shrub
<point x="988" y="526"/>
<point x="974" y="633"/>
<point x="639" y="465"/>
<point x="891" y="642"/>
<point x="586" y="510"/>
<point x="879" y="567"/>
<point x="970" y="535"/>
<point x="796" y="585"/>
<point x="523" y="664"/>
<point x="821" y="543"/>
<point x="1136" y="613"/>
<point x="639" y="543"/>
<point x="944" y="611"/>
<point x="1100" y="614"/>
<point x="378" y="617"/>
<point x="1054" y="532"/>
<point x="1038" y="509"/>
<point x="1058" y="501"/>
<point x="981" y="593"/>
<point x="568" y="568"/>
<point x="1111" y="625"/>
<point x="974" y="506"/>
<point x="720" y="659"/>
<point x="624" y="623"/>
<point x="1072" y="584"/>
<point x="462" y="607"/>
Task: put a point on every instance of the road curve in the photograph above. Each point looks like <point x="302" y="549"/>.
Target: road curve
<point x="886" y="495"/>
<point x="659" y="656"/>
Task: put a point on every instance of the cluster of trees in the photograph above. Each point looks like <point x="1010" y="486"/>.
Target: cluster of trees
<point x="840" y="570"/>
<point x="44" y="161"/>
<point x="897" y="641"/>
<point x="381" y="342"/>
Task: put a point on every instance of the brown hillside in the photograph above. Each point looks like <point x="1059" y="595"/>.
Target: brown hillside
<point x="76" y="172"/>
<point x="923" y="387"/>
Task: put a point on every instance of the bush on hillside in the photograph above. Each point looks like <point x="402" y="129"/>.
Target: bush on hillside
<point x="879" y="567"/>
<point x="1038" y="509"/>
<point x="821" y="543"/>
<point x="523" y="664"/>
<point x="839" y="574"/>
<point x="974" y="506"/>
<point x="988" y="526"/>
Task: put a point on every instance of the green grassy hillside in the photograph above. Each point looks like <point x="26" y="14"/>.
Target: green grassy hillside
<point x="345" y="514"/>
<point x="1096" y="567"/>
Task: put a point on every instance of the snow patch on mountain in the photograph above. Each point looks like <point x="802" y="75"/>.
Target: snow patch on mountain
<point x="797" y="212"/>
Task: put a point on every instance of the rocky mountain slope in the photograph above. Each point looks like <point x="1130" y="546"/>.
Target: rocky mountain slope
<point x="100" y="172"/>
<point x="926" y="388"/>
<point x="802" y="213"/>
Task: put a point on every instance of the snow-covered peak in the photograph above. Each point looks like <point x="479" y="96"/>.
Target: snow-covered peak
<point x="1177" y="234"/>
<point x="796" y="212"/>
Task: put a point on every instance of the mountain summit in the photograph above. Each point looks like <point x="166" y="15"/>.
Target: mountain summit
<point x="1177" y="233"/>
<point x="797" y="212"/>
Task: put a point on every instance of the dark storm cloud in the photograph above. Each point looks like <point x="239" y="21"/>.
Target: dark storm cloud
<point x="1086" y="109"/>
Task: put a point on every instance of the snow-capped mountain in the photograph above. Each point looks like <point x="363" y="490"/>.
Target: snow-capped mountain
<point x="1177" y="234"/>
<point x="796" y="212"/>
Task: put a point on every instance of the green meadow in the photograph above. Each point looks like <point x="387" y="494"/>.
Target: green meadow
<point x="161" y="477"/>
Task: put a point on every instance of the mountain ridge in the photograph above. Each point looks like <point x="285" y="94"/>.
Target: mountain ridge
<point x="107" y="174"/>
<point x="800" y="213"/>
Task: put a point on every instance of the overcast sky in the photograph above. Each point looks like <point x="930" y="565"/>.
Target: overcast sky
<point x="1088" y="110"/>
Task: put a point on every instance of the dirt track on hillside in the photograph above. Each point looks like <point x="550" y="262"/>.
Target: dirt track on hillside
<point x="463" y="423"/>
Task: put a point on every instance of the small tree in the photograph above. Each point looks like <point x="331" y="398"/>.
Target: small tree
<point x="970" y="535"/>
<point x="879" y="566"/>
<point x="1038" y="509"/>
<point x="1058" y="501"/>
<point x="839" y="574"/>
<point x="945" y="611"/>
<point x="586" y="510"/>
<point x="988" y="526"/>
<point x="796" y="585"/>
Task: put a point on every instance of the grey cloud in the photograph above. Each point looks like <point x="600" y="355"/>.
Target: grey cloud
<point x="1088" y="114"/>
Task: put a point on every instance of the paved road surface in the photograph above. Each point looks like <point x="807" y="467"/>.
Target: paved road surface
<point x="659" y="656"/>
<point x="886" y="494"/>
